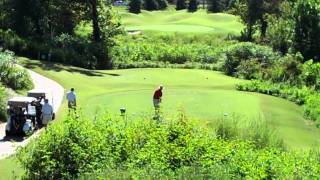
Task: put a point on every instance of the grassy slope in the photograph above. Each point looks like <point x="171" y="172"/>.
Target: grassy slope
<point x="182" y="21"/>
<point x="204" y="94"/>
<point x="10" y="169"/>
<point x="170" y="21"/>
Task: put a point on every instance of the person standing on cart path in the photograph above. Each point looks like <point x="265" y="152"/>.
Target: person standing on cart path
<point x="157" y="97"/>
<point x="72" y="100"/>
<point x="47" y="113"/>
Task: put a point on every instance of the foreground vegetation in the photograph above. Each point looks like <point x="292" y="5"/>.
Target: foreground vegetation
<point x="106" y="146"/>
<point x="11" y="76"/>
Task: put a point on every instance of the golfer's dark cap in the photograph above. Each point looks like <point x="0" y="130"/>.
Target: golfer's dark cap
<point x="72" y="89"/>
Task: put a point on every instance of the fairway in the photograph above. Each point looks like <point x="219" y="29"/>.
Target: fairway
<point x="181" y="21"/>
<point x="172" y="21"/>
<point x="205" y="95"/>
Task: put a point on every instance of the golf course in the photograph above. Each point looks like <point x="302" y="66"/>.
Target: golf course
<point x="204" y="95"/>
<point x="160" y="89"/>
<point x="181" y="21"/>
<point x="172" y="21"/>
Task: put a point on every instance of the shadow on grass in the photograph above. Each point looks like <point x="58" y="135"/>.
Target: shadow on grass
<point x="45" y="65"/>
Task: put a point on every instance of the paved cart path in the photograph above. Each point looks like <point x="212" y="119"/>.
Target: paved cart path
<point x="8" y="146"/>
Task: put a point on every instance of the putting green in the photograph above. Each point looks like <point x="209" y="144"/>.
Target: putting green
<point x="205" y="95"/>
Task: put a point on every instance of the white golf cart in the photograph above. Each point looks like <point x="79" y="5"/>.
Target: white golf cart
<point x="21" y="115"/>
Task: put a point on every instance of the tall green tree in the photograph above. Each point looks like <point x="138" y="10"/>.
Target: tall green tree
<point x="181" y="4"/>
<point x="135" y="6"/>
<point x="193" y="6"/>
<point x="42" y="18"/>
<point x="307" y="28"/>
<point x="250" y="11"/>
<point x="254" y="13"/>
<point x="280" y="30"/>
<point x="214" y="6"/>
<point x="151" y="5"/>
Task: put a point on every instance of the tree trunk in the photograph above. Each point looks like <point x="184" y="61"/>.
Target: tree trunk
<point x="95" y="21"/>
<point x="264" y="26"/>
<point x="249" y="31"/>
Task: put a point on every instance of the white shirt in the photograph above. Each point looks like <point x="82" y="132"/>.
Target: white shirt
<point x="71" y="96"/>
<point x="47" y="109"/>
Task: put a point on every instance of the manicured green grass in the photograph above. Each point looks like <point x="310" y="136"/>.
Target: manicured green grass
<point x="205" y="95"/>
<point x="171" y="21"/>
<point x="10" y="169"/>
<point x="181" y="21"/>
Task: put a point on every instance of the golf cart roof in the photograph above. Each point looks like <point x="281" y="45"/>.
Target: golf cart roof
<point x="38" y="93"/>
<point x="21" y="101"/>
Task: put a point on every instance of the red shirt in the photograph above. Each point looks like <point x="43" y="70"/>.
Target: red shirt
<point x="157" y="94"/>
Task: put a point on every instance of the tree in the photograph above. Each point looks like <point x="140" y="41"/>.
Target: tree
<point x="214" y="6"/>
<point x="280" y="30"/>
<point x="162" y="4"/>
<point x="193" y="6"/>
<point x="151" y="5"/>
<point x="270" y="7"/>
<point x="135" y="6"/>
<point x="250" y="11"/>
<point x="42" y="18"/>
<point x="181" y="4"/>
<point x="307" y="28"/>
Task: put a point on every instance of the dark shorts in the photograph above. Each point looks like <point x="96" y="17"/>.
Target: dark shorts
<point x="156" y="103"/>
<point x="71" y="105"/>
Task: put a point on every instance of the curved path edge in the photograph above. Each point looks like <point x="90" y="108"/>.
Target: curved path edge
<point x="8" y="147"/>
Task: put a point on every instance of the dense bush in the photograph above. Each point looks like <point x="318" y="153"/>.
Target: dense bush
<point x="3" y="104"/>
<point x="166" y="49"/>
<point x="64" y="48"/>
<point x="302" y="96"/>
<point x="143" y="148"/>
<point x="286" y="69"/>
<point x="248" y="60"/>
<point x="311" y="74"/>
<point x="11" y="75"/>
<point x="312" y="107"/>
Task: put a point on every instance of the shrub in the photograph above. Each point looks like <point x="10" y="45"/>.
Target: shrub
<point x="12" y="75"/>
<point x="311" y="74"/>
<point x="312" y="107"/>
<point x="3" y="104"/>
<point x="287" y="69"/>
<point x="302" y="96"/>
<point x="143" y="148"/>
<point x="237" y="55"/>
<point x="166" y="49"/>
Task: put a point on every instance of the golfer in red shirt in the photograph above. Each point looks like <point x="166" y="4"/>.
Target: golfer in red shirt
<point x="157" y="98"/>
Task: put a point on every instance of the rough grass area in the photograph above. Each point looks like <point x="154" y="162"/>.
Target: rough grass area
<point x="205" y="95"/>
